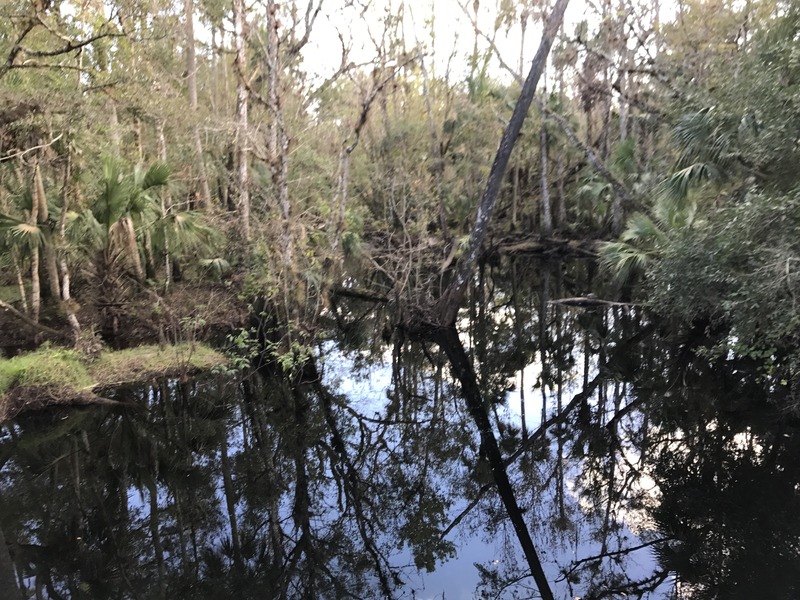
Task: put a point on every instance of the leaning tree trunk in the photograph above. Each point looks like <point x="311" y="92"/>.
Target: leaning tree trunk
<point x="439" y="324"/>
<point x="451" y="300"/>
<point x="448" y="340"/>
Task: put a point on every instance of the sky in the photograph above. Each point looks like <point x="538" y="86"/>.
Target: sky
<point x="450" y="21"/>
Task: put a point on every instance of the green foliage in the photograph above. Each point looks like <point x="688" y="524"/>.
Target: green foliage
<point x="741" y="270"/>
<point x="48" y="367"/>
<point x="67" y="373"/>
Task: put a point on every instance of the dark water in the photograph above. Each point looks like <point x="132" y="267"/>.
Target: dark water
<point x="663" y="470"/>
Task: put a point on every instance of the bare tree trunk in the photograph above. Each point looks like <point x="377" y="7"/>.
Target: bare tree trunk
<point x="51" y="269"/>
<point x="66" y="297"/>
<point x="20" y="280"/>
<point x="562" y="197"/>
<point x="242" y="99"/>
<point x="36" y="292"/>
<point x="278" y="140"/>
<point x="191" y="81"/>
<point x="8" y="584"/>
<point x="133" y="247"/>
<point x="166" y="207"/>
<point x="214" y="70"/>
<point x="451" y="299"/>
<point x="114" y="133"/>
<point x="547" y="213"/>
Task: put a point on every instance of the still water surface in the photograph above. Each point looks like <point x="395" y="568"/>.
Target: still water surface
<point x="658" y="473"/>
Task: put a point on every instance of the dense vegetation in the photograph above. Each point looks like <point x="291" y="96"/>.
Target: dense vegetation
<point x="254" y="175"/>
<point x="133" y="151"/>
<point x="135" y="156"/>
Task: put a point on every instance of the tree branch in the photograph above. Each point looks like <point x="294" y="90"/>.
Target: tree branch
<point x="25" y="319"/>
<point x="24" y="152"/>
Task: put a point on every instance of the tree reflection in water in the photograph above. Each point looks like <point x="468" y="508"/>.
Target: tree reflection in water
<point x="643" y="465"/>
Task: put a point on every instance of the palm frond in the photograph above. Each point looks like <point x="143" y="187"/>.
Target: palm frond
<point x="216" y="266"/>
<point x="86" y="230"/>
<point x="26" y="234"/>
<point x="185" y="230"/>
<point x="675" y="189"/>
<point x="624" y="158"/>
<point x="641" y="228"/>
<point x="594" y="189"/>
<point x="112" y="201"/>
<point x="623" y="260"/>
<point x="158" y="175"/>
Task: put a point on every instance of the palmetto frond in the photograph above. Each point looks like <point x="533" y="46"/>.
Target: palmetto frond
<point x="642" y="229"/>
<point x="594" y="189"/>
<point x="127" y="196"/>
<point x="707" y="145"/>
<point x="217" y="266"/>
<point x="673" y="192"/>
<point x="21" y="232"/>
<point x="158" y="175"/>
<point x="632" y="254"/>
<point x="623" y="259"/>
<point x="112" y="201"/>
<point x="184" y="230"/>
<point x="87" y="231"/>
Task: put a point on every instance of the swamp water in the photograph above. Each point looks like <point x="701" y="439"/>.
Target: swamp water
<point x="645" y="467"/>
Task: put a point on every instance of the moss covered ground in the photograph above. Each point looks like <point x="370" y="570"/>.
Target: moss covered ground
<point x="58" y="375"/>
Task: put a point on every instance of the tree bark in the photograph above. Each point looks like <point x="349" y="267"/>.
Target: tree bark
<point x="450" y="301"/>
<point x="191" y="81"/>
<point x="242" y="99"/>
<point x="166" y="208"/>
<point x="66" y="293"/>
<point x="23" y="296"/>
<point x="278" y="140"/>
<point x="36" y="291"/>
<point x="547" y="213"/>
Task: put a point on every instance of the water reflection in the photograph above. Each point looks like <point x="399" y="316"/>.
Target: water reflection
<point x="645" y="467"/>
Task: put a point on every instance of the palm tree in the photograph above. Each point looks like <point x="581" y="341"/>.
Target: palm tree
<point x="706" y="156"/>
<point x="22" y="237"/>
<point x="108" y="228"/>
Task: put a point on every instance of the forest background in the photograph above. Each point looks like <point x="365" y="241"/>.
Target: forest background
<point x="153" y="185"/>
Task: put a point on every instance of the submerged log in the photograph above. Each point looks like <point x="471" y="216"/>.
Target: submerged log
<point x="546" y="246"/>
<point x="589" y="302"/>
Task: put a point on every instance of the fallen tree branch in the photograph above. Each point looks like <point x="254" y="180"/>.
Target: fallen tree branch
<point x="21" y="153"/>
<point x="28" y="321"/>
<point x="538" y="245"/>
<point x="588" y="302"/>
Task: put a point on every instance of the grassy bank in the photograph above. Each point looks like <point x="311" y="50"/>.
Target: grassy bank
<point x="61" y="376"/>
